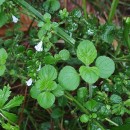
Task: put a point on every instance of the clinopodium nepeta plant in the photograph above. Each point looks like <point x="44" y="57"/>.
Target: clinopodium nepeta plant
<point x="66" y="69"/>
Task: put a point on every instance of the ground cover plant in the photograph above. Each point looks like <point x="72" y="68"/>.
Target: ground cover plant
<point x="64" y="70"/>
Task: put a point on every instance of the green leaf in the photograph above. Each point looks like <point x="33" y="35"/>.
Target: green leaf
<point x="2" y="69"/>
<point x="2" y="1"/>
<point x="127" y="103"/>
<point x="10" y="127"/>
<point x="115" y="98"/>
<point x="35" y="92"/>
<point x="46" y="99"/>
<point x="122" y="127"/>
<point x="91" y="104"/>
<point x="4" y="95"/>
<point x="64" y="54"/>
<point x="48" y="72"/>
<point x="3" y="18"/>
<point x="106" y="66"/>
<point x="10" y="116"/>
<point x="86" y="52"/>
<point x="3" y="56"/>
<point x="89" y="74"/>
<point x="58" y="91"/>
<point x="16" y="101"/>
<point x="82" y="92"/>
<point x="56" y="113"/>
<point x="51" y="5"/>
<point x="46" y="85"/>
<point x="84" y="118"/>
<point x="69" y="78"/>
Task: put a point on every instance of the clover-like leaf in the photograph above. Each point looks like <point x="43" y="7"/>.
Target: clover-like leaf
<point x="46" y="99"/>
<point x="68" y="78"/>
<point x="106" y="66"/>
<point x="48" y="72"/>
<point x="64" y="54"/>
<point x="89" y="74"/>
<point x="86" y="52"/>
<point x="35" y="92"/>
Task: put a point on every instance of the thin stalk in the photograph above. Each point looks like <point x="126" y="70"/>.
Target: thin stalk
<point x="84" y="8"/>
<point x="111" y="122"/>
<point x="126" y="32"/>
<point x="38" y="15"/>
<point x="113" y="10"/>
<point x="83" y="109"/>
<point x="90" y="91"/>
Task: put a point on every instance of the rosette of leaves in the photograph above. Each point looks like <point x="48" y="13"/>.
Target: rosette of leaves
<point x="6" y="105"/>
<point x="46" y="89"/>
<point x="3" y="57"/>
<point x="104" y="66"/>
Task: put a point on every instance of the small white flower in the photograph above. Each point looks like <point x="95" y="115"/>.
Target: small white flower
<point x="38" y="47"/>
<point x="15" y="19"/>
<point x="29" y="82"/>
<point x="39" y="68"/>
<point x="90" y="32"/>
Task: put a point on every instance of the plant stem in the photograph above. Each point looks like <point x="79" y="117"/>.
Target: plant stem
<point x="126" y="32"/>
<point x="58" y="30"/>
<point x="84" y="8"/>
<point x="83" y="109"/>
<point x="90" y="91"/>
<point x="112" y="10"/>
<point x="111" y="122"/>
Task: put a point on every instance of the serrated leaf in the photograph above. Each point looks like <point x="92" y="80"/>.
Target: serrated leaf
<point x="86" y="52"/>
<point x="4" y="95"/>
<point x="10" y="116"/>
<point x="115" y="98"/>
<point x="48" y="72"/>
<point x="89" y="74"/>
<point x="64" y="54"/>
<point x="46" y="99"/>
<point x="16" y="101"/>
<point x="3" y="56"/>
<point x="68" y="78"/>
<point x="106" y="66"/>
<point x="46" y="85"/>
<point x="2" y="69"/>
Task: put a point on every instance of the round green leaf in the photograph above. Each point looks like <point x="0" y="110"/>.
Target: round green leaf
<point x="69" y="78"/>
<point x="84" y="118"/>
<point x="34" y="92"/>
<point x="86" y="52"/>
<point x="46" y="99"/>
<point x="89" y="74"/>
<point x="3" y="56"/>
<point x="64" y="54"/>
<point x="2" y="69"/>
<point x="48" y="72"/>
<point x="115" y="98"/>
<point x="106" y="66"/>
